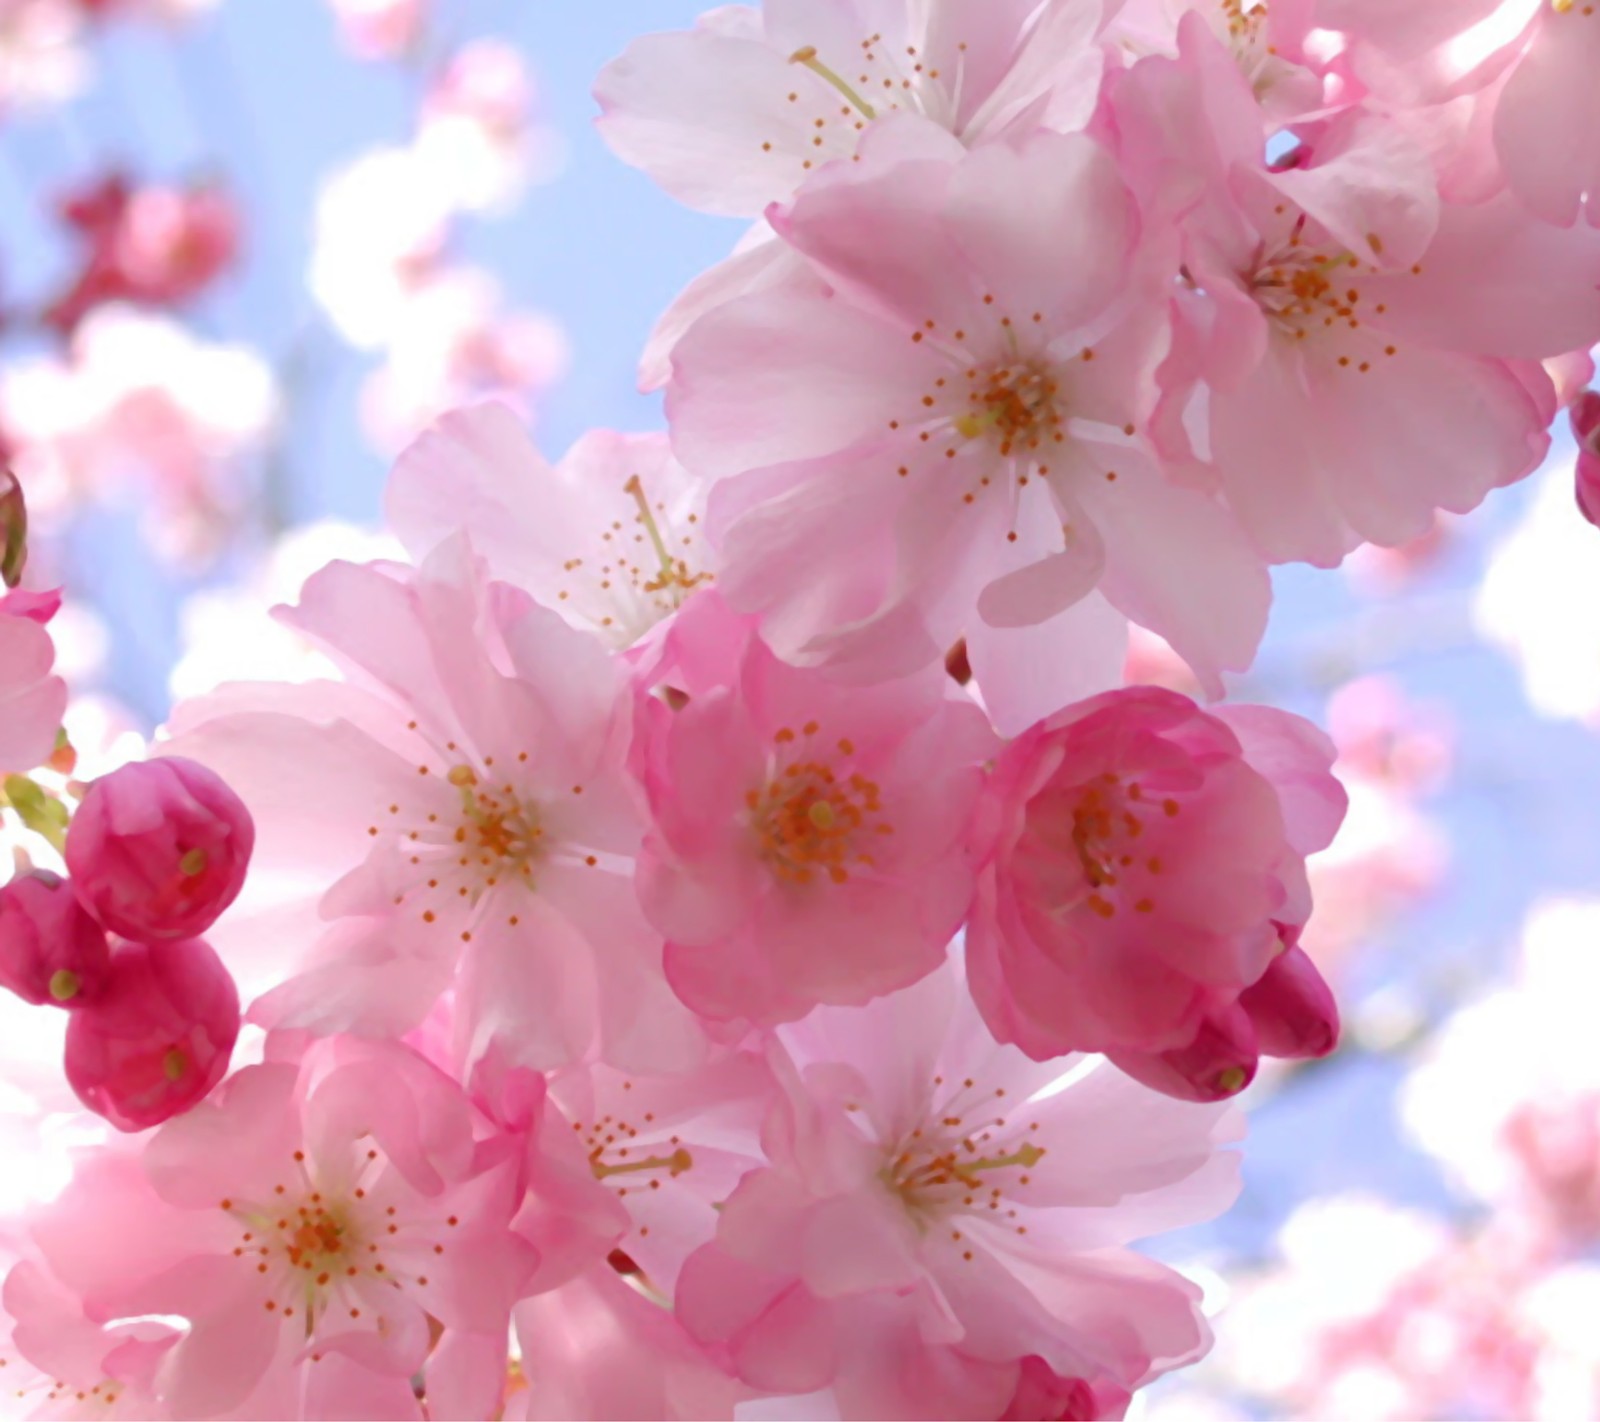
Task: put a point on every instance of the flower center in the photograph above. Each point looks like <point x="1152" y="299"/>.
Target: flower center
<point x="496" y="823"/>
<point x="1302" y="289"/>
<point x="812" y="819"/>
<point x="636" y="1157"/>
<point x="1098" y="829"/>
<point x="1015" y="403"/>
<point x="963" y="1160"/>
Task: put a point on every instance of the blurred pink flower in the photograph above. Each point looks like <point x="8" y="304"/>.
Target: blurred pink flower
<point x="159" y="1035"/>
<point x="155" y="246"/>
<point x="381" y="29"/>
<point x="43" y="59"/>
<point x="1585" y="415"/>
<point x="477" y="129"/>
<point x="451" y="345"/>
<point x="142" y="411"/>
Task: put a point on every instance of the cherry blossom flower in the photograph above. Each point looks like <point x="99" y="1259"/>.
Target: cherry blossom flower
<point x="452" y="345"/>
<point x="809" y="840"/>
<point x="42" y="56"/>
<point x="734" y="114"/>
<point x="159" y="246"/>
<point x="597" y="1347"/>
<point x="611" y="538"/>
<point x="930" y="1219"/>
<point x="955" y="427"/>
<point x="1334" y="312"/>
<point x="159" y="850"/>
<point x="381" y="29"/>
<point x="32" y="701"/>
<point x="351" y="1211"/>
<point x="477" y="128"/>
<point x="1143" y="884"/>
<point x="142" y="410"/>
<point x="466" y="798"/>
<point x="157" y="1037"/>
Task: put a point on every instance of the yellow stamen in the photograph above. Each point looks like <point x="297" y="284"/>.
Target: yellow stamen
<point x="808" y="57"/>
<point x="192" y="863"/>
<point x="63" y="985"/>
<point x="675" y="1164"/>
<point x="174" y="1065"/>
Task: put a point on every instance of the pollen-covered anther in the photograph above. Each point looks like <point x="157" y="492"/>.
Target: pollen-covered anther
<point x="812" y="819"/>
<point x="1017" y="405"/>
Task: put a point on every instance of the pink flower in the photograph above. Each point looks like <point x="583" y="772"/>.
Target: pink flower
<point x="467" y="801"/>
<point x="809" y="839"/>
<point x="610" y="538"/>
<point x="32" y="701"/>
<point x="736" y="113"/>
<point x="1351" y="355"/>
<point x="159" y="849"/>
<point x="381" y="29"/>
<point x="930" y="1219"/>
<point x="159" y="246"/>
<point x="1585" y="415"/>
<point x="597" y="1347"/>
<point x="50" y="949"/>
<point x="1145" y="866"/>
<point x="158" y="1036"/>
<point x="954" y="425"/>
<point x="352" y="1211"/>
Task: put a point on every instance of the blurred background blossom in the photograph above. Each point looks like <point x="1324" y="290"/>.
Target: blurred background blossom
<point x="248" y="250"/>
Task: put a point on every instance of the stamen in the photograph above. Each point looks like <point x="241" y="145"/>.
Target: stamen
<point x="675" y="1164"/>
<point x="636" y="489"/>
<point x="808" y="57"/>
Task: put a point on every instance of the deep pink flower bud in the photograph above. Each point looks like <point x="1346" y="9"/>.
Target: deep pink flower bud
<point x="51" y="951"/>
<point x="1220" y="1062"/>
<point x="1292" y="1008"/>
<point x="1585" y="414"/>
<point x="159" y="1036"/>
<point x="159" y="849"/>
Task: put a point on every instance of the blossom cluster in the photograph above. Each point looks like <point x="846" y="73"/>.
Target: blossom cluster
<point x="723" y="932"/>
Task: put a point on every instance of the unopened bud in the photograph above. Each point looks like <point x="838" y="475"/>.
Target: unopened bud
<point x="1585" y="416"/>
<point x="13" y="529"/>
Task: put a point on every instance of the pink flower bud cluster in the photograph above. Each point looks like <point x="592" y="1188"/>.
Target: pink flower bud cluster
<point x="156" y="852"/>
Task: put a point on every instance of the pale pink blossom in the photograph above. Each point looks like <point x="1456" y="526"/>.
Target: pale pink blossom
<point x="32" y="701"/>
<point x="465" y="798"/>
<point x="598" y="1347"/>
<point x="353" y="1211"/>
<point x="380" y="231"/>
<point x="381" y="29"/>
<point x="1351" y="354"/>
<point x="809" y="840"/>
<point x="50" y="949"/>
<point x="154" y="245"/>
<point x="43" y="57"/>
<point x="1143" y="885"/>
<point x="159" y="849"/>
<point x="157" y="1037"/>
<point x="738" y="112"/>
<point x="866" y="1255"/>
<point x="477" y="129"/>
<point x="451" y="344"/>
<point x="142" y="412"/>
<point x="955" y="426"/>
<point x="612" y="537"/>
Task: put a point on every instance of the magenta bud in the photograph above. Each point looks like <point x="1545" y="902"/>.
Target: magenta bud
<point x="159" y="849"/>
<point x="158" y="1038"/>
<point x="13" y="529"/>
<point x="1292" y="1008"/>
<point x="1585" y="415"/>
<point x="51" y="951"/>
<point x="1043" y="1392"/>
<point x="1220" y="1062"/>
